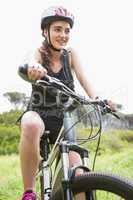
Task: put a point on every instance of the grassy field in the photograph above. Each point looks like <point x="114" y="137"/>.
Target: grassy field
<point x="115" y="155"/>
<point x="10" y="177"/>
<point x="119" y="163"/>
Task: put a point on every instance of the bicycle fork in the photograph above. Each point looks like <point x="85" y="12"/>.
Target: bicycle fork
<point x="46" y="190"/>
<point x="64" y="149"/>
<point x="45" y="176"/>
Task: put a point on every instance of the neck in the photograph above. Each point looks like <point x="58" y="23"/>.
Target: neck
<point x="55" y="54"/>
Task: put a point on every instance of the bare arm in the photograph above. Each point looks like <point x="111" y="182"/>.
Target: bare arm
<point x="81" y="76"/>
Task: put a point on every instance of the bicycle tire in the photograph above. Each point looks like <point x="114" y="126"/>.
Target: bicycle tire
<point x="94" y="181"/>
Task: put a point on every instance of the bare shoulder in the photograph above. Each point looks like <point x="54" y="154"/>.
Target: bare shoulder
<point x="71" y="51"/>
<point x="38" y="57"/>
<point x="72" y="56"/>
<point x="75" y="58"/>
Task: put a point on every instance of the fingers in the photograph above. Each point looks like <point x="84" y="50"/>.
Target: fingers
<point x="112" y="105"/>
<point x="36" y="72"/>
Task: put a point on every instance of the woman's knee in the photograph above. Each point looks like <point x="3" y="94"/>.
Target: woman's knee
<point x="32" y="124"/>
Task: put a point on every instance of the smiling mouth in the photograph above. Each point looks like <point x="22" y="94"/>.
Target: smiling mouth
<point x="61" y="42"/>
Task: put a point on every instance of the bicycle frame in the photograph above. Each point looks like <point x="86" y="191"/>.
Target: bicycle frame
<point x="60" y="154"/>
<point x="61" y="148"/>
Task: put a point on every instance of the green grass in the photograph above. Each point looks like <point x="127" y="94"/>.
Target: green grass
<point x="119" y="163"/>
<point x="115" y="155"/>
<point x="10" y="177"/>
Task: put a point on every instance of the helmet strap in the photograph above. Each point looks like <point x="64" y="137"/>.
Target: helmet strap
<point x="50" y="43"/>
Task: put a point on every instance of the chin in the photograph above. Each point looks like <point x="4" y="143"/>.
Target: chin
<point x="63" y="47"/>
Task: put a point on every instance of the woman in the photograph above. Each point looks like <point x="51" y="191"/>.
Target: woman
<point x="53" y="59"/>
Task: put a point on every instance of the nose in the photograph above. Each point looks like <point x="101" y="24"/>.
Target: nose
<point x="63" y="34"/>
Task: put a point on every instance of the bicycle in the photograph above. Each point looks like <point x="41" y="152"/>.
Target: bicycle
<point x="59" y="182"/>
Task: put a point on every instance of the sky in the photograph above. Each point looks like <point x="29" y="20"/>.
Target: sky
<point x="102" y="36"/>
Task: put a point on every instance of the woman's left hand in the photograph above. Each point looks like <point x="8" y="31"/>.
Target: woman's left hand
<point x="112" y="105"/>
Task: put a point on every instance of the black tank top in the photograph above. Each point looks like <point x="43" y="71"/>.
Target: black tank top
<point x="49" y="97"/>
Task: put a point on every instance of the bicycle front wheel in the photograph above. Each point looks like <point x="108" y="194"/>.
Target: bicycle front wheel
<point x="104" y="186"/>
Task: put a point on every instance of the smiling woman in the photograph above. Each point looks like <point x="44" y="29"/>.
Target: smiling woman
<point x="64" y="20"/>
<point x="103" y="35"/>
<point x="60" y="32"/>
<point x="45" y="108"/>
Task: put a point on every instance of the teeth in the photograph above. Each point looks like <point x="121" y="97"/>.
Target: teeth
<point x="61" y="42"/>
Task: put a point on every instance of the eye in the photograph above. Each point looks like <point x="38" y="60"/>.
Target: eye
<point x="67" y="30"/>
<point x="57" y="29"/>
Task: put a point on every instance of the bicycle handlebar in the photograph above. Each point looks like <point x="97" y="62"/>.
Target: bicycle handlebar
<point x="57" y="84"/>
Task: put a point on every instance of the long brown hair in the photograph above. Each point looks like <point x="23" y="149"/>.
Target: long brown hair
<point x="46" y="54"/>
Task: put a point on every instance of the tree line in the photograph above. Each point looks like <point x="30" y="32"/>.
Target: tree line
<point x="17" y="100"/>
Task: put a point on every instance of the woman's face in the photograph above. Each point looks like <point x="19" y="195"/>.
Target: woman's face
<point x="59" y="34"/>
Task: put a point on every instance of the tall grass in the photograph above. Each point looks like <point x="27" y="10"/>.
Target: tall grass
<point x="10" y="178"/>
<point x="115" y="155"/>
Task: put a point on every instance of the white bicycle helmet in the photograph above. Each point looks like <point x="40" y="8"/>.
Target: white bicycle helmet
<point x="55" y="14"/>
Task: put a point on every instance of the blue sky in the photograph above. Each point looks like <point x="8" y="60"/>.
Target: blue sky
<point x="102" y="35"/>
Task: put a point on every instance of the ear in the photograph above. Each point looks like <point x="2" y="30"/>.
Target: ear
<point x="45" y="33"/>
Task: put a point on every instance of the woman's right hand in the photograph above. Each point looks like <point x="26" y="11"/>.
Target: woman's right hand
<point x="36" y="71"/>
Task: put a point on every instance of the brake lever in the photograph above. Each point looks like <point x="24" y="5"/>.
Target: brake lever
<point x="54" y="81"/>
<point x="49" y="81"/>
<point x="115" y="115"/>
<point x="106" y="109"/>
<point x="42" y="82"/>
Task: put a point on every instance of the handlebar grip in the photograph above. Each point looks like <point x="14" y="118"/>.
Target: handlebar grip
<point x="106" y="109"/>
<point x="46" y="78"/>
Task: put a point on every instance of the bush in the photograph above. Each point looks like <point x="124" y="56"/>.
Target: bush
<point x="112" y="141"/>
<point x="9" y="139"/>
<point x="127" y="135"/>
<point x="10" y="117"/>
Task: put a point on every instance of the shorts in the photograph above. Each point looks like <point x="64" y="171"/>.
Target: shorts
<point x="54" y="125"/>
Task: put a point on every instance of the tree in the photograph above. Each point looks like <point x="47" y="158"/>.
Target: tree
<point x="17" y="99"/>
